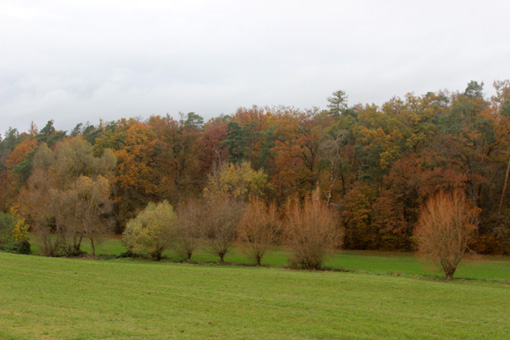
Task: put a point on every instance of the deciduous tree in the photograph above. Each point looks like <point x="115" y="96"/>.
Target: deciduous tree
<point x="190" y="220"/>
<point x="220" y="226"/>
<point x="311" y="231"/>
<point x="92" y="208"/>
<point x="445" y="228"/>
<point x="258" y="228"/>
<point x="152" y="231"/>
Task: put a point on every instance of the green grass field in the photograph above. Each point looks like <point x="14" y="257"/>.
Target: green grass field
<point x="488" y="268"/>
<point x="58" y="298"/>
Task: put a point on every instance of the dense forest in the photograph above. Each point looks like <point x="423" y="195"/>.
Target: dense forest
<point x="375" y="165"/>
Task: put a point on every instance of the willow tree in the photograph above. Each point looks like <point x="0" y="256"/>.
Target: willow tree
<point x="446" y="226"/>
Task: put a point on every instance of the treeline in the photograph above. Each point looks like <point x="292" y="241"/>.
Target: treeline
<point x="375" y="166"/>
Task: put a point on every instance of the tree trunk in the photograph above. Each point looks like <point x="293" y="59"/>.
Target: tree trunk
<point x="77" y="243"/>
<point x="343" y="183"/>
<point x="156" y="256"/>
<point x="93" y="247"/>
<point x="332" y="180"/>
<point x="448" y="268"/>
<point x="505" y="186"/>
<point x="449" y="274"/>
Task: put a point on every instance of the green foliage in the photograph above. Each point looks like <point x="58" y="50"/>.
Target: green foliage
<point x="49" y="135"/>
<point x="7" y="223"/>
<point x="152" y="231"/>
<point x="474" y="90"/>
<point x="13" y="234"/>
<point x="194" y="121"/>
<point x="239" y="141"/>
<point x="337" y="103"/>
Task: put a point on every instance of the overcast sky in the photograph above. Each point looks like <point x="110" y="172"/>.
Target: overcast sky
<point x="79" y="61"/>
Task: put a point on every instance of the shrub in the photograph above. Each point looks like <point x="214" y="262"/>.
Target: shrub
<point x="445" y="227"/>
<point x="13" y="234"/>
<point x="220" y="225"/>
<point x="190" y="218"/>
<point x="7" y="223"/>
<point x="152" y="231"/>
<point x="258" y="228"/>
<point x="311" y="231"/>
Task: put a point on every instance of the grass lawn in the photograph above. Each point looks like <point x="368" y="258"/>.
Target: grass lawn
<point x="58" y="298"/>
<point x="489" y="268"/>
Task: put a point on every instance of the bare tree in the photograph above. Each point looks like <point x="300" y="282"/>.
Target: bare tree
<point x="445" y="227"/>
<point x="311" y="231"/>
<point x="258" y="228"/>
<point x="190" y="219"/>
<point x="505" y="186"/>
<point x="331" y="147"/>
<point x="36" y="205"/>
<point x="92" y="208"/>
<point x="65" y="223"/>
<point x="220" y="225"/>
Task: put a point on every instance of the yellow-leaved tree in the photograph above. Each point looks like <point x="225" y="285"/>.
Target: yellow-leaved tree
<point x="152" y="230"/>
<point x="238" y="181"/>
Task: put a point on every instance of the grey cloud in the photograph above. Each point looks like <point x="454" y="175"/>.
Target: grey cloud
<point x="82" y="61"/>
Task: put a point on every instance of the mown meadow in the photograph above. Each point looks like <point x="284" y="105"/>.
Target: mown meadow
<point x="483" y="268"/>
<point x="61" y="298"/>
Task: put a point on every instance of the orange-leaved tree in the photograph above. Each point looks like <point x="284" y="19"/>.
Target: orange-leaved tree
<point x="258" y="228"/>
<point x="311" y="230"/>
<point x="446" y="225"/>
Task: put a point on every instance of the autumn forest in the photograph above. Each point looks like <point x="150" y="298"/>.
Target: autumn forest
<point x="375" y="166"/>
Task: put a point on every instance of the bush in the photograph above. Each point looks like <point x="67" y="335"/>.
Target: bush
<point x="13" y="234"/>
<point x="258" y="228"/>
<point x="190" y="219"/>
<point x="445" y="228"/>
<point x="152" y="231"/>
<point x="220" y="226"/>
<point x="310" y="232"/>
<point x="22" y="247"/>
<point x="7" y="223"/>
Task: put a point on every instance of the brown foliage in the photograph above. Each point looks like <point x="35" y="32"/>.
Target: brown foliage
<point x="311" y="231"/>
<point x="360" y="233"/>
<point x="258" y="228"/>
<point x="445" y="227"/>
<point x="20" y="152"/>
<point x="66" y="197"/>
<point x="37" y="203"/>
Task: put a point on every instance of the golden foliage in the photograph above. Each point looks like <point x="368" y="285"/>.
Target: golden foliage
<point x="311" y="231"/>
<point x="446" y="225"/>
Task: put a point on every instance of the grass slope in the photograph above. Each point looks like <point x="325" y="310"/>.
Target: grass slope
<point x="489" y="268"/>
<point x="56" y="298"/>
